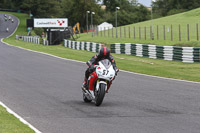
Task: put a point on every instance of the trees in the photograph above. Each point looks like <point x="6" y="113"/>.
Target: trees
<point x="10" y="4"/>
<point x="169" y="7"/>
<point x="111" y="4"/>
<point x="42" y="8"/>
<point x="133" y="2"/>
<point x="130" y="11"/>
<point x="75" y="10"/>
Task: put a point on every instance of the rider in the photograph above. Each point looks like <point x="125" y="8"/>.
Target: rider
<point x="104" y="53"/>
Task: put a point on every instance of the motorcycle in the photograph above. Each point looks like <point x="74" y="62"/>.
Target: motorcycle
<point x="7" y="29"/>
<point x="99" y="82"/>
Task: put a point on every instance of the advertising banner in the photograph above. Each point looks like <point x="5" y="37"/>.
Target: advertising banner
<point x="51" y="22"/>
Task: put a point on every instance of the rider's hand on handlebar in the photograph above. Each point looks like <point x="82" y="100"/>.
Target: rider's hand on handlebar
<point x="116" y="71"/>
<point x="91" y="68"/>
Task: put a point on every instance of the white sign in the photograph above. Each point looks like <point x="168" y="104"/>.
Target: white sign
<point x="50" y="22"/>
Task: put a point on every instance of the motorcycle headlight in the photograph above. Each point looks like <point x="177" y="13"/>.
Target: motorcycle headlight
<point x="99" y="72"/>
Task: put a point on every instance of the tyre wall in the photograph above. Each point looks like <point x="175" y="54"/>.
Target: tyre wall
<point x="89" y="46"/>
<point x="184" y="54"/>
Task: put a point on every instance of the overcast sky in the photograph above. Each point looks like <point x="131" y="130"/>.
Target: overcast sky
<point x="145" y="2"/>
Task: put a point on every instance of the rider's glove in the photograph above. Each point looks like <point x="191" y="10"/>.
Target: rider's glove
<point x="91" y="68"/>
<point x="89" y="63"/>
<point x="116" y="71"/>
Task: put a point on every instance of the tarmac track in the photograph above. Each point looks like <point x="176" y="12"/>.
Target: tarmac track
<point x="46" y="92"/>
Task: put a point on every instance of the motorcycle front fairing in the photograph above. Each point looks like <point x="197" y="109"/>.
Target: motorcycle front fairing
<point x="104" y="74"/>
<point x="105" y="70"/>
<point x="99" y="82"/>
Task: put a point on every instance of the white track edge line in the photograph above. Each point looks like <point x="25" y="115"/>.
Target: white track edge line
<point x="180" y="80"/>
<point x="19" y="117"/>
<point x="11" y="111"/>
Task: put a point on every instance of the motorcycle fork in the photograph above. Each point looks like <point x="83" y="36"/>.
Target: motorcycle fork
<point x="98" y="82"/>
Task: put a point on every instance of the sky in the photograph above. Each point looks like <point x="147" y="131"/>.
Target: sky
<point x="146" y="3"/>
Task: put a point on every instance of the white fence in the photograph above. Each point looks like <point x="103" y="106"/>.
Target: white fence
<point x="33" y="39"/>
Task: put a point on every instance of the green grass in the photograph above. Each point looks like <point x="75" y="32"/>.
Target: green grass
<point x="192" y="18"/>
<point x="10" y="124"/>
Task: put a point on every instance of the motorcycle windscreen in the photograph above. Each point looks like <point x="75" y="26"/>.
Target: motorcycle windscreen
<point x="106" y="63"/>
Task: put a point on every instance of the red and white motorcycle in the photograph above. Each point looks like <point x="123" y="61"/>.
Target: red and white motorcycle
<point x="99" y="82"/>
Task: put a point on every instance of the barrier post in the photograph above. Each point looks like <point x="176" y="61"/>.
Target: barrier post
<point x="157" y="33"/>
<point x="124" y="32"/>
<point x="145" y="33"/>
<point x="108" y="32"/>
<point x="188" y="31"/>
<point x="101" y="31"/>
<point x="179" y="32"/>
<point x="104" y="31"/>
<point x="112" y="32"/>
<point x="197" y="32"/>
<point x="120" y="30"/>
<point x="171" y="33"/>
<point x="139" y="33"/>
<point x="164" y="31"/>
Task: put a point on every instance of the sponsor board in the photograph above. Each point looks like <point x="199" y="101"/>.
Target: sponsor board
<point x="51" y="22"/>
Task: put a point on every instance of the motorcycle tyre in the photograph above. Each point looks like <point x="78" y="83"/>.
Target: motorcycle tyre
<point x="100" y="95"/>
<point x="85" y="99"/>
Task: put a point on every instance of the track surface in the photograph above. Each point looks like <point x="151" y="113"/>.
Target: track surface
<point x="46" y="92"/>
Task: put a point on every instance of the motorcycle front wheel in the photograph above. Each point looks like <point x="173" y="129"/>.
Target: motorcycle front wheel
<point x="100" y="95"/>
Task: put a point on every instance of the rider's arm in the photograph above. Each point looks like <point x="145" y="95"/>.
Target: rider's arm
<point x="113" y="62"/>
<point x="92" y="61"/>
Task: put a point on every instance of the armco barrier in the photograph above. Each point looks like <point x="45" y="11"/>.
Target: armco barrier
<point x="89" y="46"/>
<point x="33" y="39"/>
<point x="45" y="42"/>
<point x="184" y="54"/>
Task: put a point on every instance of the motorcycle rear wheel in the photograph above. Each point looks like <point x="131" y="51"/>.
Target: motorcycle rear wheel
<point x="100" y="95"/>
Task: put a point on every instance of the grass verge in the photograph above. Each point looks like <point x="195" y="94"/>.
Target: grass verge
<point x="10" y="124"/>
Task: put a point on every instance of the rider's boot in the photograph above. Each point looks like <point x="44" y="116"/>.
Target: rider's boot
<point x="84" y="86"/>
<point x="92" y="93"/>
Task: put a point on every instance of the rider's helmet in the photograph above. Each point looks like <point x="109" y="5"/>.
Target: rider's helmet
<point x="104" y="52"/>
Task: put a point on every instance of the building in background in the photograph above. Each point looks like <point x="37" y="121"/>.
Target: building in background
<point x="104" y="26"/>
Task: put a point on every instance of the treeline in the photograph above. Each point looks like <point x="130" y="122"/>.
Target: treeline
<point x="170" y="7"/>
<point x="75" y="10"/>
